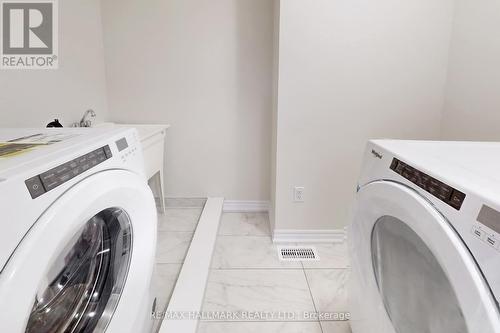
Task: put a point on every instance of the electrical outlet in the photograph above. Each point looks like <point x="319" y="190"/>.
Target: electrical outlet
<point x="298" y="194"/>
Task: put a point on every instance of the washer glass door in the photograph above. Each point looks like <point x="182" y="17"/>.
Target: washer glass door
<point x="83" y="286"/>
<point x="416" y="292"/>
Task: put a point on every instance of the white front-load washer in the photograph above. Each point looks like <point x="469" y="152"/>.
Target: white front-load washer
<point x="77" y="232"/>
<point x="424" y="241"/>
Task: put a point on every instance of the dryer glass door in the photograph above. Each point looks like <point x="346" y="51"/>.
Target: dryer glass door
<point x="85" y="282"/>
<point x="416" y="292"/>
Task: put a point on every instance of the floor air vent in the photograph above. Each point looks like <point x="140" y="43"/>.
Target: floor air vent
<point x="297" y="253"/>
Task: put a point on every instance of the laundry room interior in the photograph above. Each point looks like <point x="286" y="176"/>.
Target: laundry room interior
<point x="319" y="166"/>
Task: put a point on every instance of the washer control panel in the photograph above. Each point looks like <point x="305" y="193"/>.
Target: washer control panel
<point x="440" y="190"/>
<point x="54" y="177"/>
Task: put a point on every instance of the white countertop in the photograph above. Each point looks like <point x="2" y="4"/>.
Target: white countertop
<point x="145" y="130"/>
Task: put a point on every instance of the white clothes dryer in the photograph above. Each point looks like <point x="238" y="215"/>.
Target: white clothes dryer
<point x="424" y="242"/>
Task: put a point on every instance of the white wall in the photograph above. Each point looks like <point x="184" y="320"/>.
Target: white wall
<point x="204" y="67"/>
<point x="472" y="110"/>
<point x="32" y="98"/>
<point x="350" y="71"/>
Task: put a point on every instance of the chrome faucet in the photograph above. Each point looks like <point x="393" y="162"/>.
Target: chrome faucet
<point x="87" y="119"/>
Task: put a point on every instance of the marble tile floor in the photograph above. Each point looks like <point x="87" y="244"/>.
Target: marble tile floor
<point x="175" y="231"/>
<point x="248" y="278"/>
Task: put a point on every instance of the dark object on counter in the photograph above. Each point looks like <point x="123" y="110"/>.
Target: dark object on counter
<point x="54" y="123"/>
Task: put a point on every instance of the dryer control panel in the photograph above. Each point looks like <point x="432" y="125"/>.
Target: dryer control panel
<point x="440" y="190"/>
<point x="487" y="227"/>
<point x="54" y="177"/>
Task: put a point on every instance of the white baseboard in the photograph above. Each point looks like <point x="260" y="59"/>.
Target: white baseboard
<point x="241" y="206"/>
<point x="309" y="236"/>
<point x="287" y="235"/>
